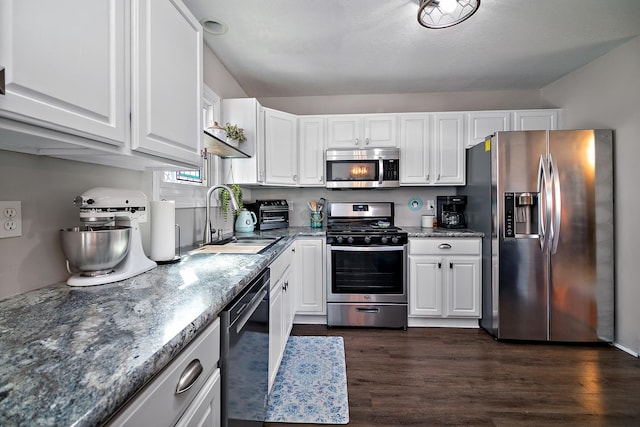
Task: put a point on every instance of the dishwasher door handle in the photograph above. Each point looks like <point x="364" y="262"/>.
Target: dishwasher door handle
<point x="254" y="304"/>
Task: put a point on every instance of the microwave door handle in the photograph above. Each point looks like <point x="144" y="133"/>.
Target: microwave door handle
<point x="380" y="171"/>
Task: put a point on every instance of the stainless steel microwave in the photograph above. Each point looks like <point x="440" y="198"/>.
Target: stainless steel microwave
<point x="368" y="168"/>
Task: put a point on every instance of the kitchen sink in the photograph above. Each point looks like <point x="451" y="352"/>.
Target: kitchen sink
<point x="238" y="245"/>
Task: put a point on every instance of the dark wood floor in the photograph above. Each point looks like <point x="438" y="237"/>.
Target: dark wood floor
<point x="440" y="376"/>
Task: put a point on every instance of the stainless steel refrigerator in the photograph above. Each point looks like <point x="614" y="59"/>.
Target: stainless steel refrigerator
<point x="544" y="200"/>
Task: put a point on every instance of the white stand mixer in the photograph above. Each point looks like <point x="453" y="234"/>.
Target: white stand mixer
<point x="111" y="206"/>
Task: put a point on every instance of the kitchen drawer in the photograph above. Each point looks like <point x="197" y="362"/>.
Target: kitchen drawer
<point x="158" y="404"/>
<point x="280" y="265"/>
<point x="445" y="246"/>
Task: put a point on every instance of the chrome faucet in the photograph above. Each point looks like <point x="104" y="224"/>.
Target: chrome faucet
<point x="207" y="225"/>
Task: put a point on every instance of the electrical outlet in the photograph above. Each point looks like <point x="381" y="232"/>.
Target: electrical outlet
<point x="10" y="219"/>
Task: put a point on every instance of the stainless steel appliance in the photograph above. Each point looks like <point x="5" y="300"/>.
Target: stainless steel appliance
<point x="270" y="214"/>
<point x="108" y="247"/>
<point x="366" y="265"/>
<point x="450" y="211"/>
<point x="369" y="168"/>
<point x="244" y="360"/>
<point x="544" y="201"/>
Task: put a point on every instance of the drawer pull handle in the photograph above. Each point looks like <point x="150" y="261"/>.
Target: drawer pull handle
<point x="189" y="376"/>
<point x="444" y="246"/>
<point x="367" y="310"/>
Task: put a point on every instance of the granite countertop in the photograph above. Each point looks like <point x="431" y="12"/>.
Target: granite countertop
<point x="417" y="231"/>
<point x="75" y="355"/>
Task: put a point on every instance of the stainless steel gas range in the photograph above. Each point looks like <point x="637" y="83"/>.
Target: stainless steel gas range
<point x="366" y="265"/>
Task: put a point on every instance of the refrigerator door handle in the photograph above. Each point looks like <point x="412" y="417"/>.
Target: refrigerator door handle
<point x="557" y="205"/>
<point x="544" y="209"/>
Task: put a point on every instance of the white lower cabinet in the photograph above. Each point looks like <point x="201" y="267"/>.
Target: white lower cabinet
<point x="445" y="282"/>
<point x="160" y="403"/>
<point x="310" y="273"/>
<point x="281" y="309"/>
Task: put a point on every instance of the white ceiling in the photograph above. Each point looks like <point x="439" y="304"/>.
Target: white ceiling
<point x="339" y="47"/>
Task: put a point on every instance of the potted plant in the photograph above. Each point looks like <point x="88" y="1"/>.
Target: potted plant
<point x="234" y="133"/>
<point x="223" y="196"/>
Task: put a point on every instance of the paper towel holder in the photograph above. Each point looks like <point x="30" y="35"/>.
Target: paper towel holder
<point x="176" y="258"/>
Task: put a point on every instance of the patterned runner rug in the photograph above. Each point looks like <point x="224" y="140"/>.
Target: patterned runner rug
<point x="311" y="385"/>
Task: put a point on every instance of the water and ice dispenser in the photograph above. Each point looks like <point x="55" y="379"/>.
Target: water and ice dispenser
<point x="521" y="219"/>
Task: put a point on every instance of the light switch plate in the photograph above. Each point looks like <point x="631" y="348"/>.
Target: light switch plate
<point x="10" y="219"/>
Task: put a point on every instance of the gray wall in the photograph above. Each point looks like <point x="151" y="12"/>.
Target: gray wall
<point x="46" y="187"/>
<point x="606" y="94"/>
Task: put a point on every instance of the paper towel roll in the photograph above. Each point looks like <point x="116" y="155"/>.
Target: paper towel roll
<point x="163" y="230"/>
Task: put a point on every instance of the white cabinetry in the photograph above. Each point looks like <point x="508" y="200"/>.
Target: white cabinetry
<point x="536" y="120"/>
<point x="66" y="66"/>
<point x="449" y="153"/>
<point x="444" y="282"/>
<point x="362" y="131"/>
<point x="310" y="268"/>
<point x="167" y="81"/>
<point x="481" y="124"/>
<point x="281" y="157"/>
<point x="248" y="114"/>
<point x="102" y="85"/>
<point x="311" y="136"/>
<point x="159" y="403"/>
<point x="432" y="149"/>
<point x="281" y="308"/>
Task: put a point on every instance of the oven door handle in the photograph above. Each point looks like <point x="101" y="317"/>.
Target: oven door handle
<point x="367" y="248"/>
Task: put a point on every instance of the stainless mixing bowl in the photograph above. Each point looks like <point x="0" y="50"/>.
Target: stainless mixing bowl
<point x="95" y="250"/>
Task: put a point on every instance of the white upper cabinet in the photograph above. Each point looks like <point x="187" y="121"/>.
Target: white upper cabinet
<point x="432" y="149"/>
<point x="536" y="120"/>
<point x="167" y="81"/>
<point x="248" y="114"/>
<point x="362" y="131"/>
<point x="311" y="137"/>
<point x="448" y="143"/>
<point x="67" y="66"/>
<point x="281" y="157"/>
<point x="415" y="149"/>
<point x="481" y="124"/>
<point x="115" y="82"/>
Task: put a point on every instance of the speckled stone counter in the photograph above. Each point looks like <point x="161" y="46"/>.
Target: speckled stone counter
<point x="73" y="356"/>
<point x="417" y="231"/>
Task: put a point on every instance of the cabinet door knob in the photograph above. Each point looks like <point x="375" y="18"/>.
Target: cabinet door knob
<point x="189" y="376"/>
<point x="357" y="141"/>
<point x="439" y="265"/>
<point x="366" y="141"/>
<point x="450" y="265"/>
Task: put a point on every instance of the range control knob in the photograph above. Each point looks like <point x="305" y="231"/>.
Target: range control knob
<point x="339" y="239"/>
<point x="395" y="239"/>
<point x="367" y="239"/>
<point x="350" y="239"/>
<point x="384" y="240"/>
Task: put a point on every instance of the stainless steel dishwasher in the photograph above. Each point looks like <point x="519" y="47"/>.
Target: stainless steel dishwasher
<point x="245" y="355"/>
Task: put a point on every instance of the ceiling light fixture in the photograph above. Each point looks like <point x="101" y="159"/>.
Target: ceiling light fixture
<point x="214" y="26"/>
<point x="445" y="13"/>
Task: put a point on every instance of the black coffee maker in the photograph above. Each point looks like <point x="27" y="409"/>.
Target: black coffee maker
<point x="451" y="211"/>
